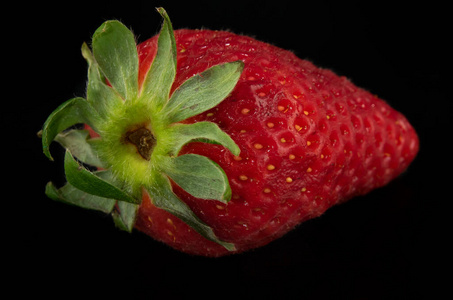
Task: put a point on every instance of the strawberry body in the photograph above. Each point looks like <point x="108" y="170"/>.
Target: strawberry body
<point x="309" y="139"/>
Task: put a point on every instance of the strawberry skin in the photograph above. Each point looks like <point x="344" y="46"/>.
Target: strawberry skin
<point x="309" y="139"/>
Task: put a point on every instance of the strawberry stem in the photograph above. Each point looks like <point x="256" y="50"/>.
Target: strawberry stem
<point x="143" y="140"/>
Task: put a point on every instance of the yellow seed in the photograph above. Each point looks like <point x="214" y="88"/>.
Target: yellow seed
<point x="220" y="206"/>
<point x="267" y="190"/>
<point x="258" y="146"/>
<point x="292" y="156"/>
<point x="209" y="114"/>
<point x="171" y="234"/>
<point x="309" y="170"/>
<point x="169" y="221"/>
<point x="283" y="140"/>
<point x="271" y="167"/>
<point x="280" y="108"/>
<point x="270" y="124"/>
<point x="303" y="190"/>
<point x="237" y="158"/>
<point x="245" y="111"/>
<point x="243" y="177"/>
<point x="306" y="112"/>
<point x="289" y="179"/>
<point x="328" y="117"/>
<point x="308" y="143"/>
<point x="262" y="94"/>
<point x="298" y="128"/>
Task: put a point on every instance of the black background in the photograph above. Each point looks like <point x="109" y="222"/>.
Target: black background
<point x="388" y="244"/>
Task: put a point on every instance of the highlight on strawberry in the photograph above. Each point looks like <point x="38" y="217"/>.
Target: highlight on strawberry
<point x="216" y="143"/>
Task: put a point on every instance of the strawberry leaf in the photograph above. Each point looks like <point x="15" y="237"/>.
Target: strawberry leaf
<point x="76" y="142"/>
<point x="163" y="197"/>
<point x="88" y="182"/>
<point x="71" y="112"/>
<point x="125" y="216"/>
<point x="115" y="51"/>
<point x="198" y="175"/>
<point x="159" y="79"/>
<point x="101" y="96"/>
<point x="202" y="91"/>
<point x="180" y="134"/>
<point x="70" y="195"/>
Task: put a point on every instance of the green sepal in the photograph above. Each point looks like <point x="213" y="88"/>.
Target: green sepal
<point x="163" y="197"/>
<point x="90" y="183"/>
<point x="70" y="113"/>
<point x="115" y="51"/>
<point x="70" y="195"/>
<point x="197" y="175"/>
<point x="125" y="216"/>
<point x="159" y="79"/>
<point x="180" y="134"/>
<point x="76" y="141"/>
<point x="202" y="91"/>
<point x="115" y="105"/>
<point x="101" y="96"/>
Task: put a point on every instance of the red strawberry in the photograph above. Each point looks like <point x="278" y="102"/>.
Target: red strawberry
<point x="298" y="140"/>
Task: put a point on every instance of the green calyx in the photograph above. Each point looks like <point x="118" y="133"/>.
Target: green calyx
<point x="140" y="137"/>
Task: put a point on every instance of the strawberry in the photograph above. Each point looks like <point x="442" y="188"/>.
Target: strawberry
<point x="216" y="143"/>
